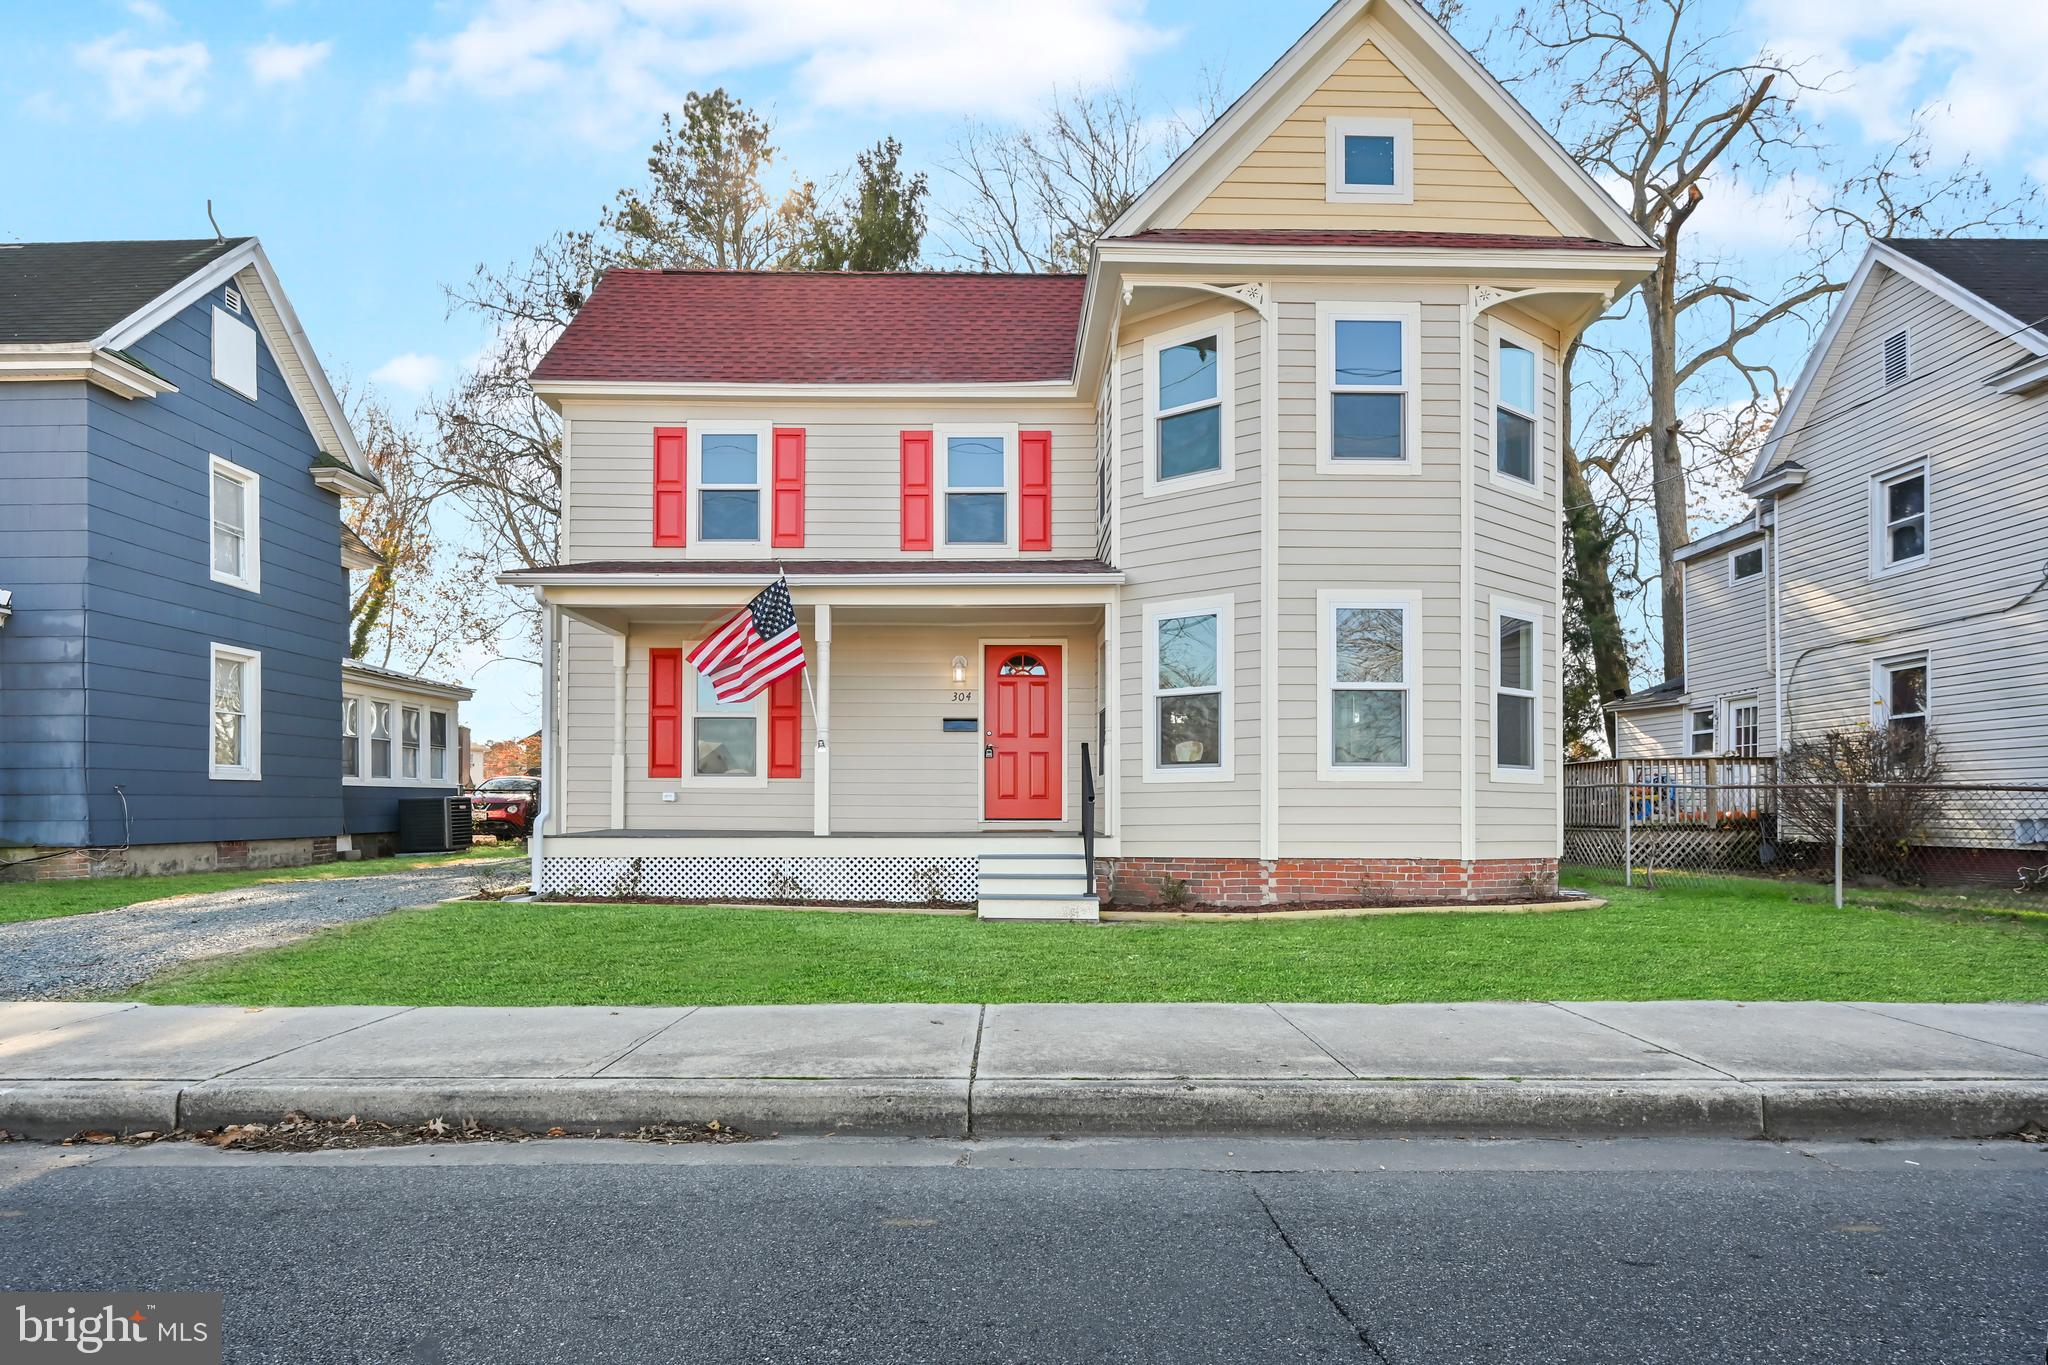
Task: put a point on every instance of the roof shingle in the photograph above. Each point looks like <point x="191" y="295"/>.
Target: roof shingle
<point x="75" y="291"/>
<point x="2009" y="273"/>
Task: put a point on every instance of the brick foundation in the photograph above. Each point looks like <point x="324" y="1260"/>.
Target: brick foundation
<point x="143" y="860"/>
<point x="1284" y="881"/>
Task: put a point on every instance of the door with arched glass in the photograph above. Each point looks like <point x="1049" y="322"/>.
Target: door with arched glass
<point x="1021" y="722"/>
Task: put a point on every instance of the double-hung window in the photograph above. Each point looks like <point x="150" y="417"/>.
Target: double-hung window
<point x="978" y="470"/>
<point x="1517" y="713"/>
<point x="1742" y="729"/>
<point x="1901" y="519"/>
<point x="725" y="736"/>
<point x="437" y="745"/>
<point x="728" y="472"/>
<point x="233" y="494"/>
<point x="237" y="702"/>
<point x="1517" y="448"/>
<point x="1188" y="663"/>
<point x="1188" y="377"/>
<point x="1369" y="160"/>
<point x="351" y="737"/>
<point x="1701" y="735"/>
<point x="1368" y="656"/>
<point x="380" y="739"/>
<point x="409" y="742"/>
<point x="1367" y="419"/>
<point x="1902" y="696"/>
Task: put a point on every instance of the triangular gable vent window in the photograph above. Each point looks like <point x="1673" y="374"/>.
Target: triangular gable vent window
<point x="232" y="297"/>
<point x="1895" y="359"/>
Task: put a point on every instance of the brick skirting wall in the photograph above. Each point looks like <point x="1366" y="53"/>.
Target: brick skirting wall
<point x="1284" y="881"/>
<point x="143" y="860"/>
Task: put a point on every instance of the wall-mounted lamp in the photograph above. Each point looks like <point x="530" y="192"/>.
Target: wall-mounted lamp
<point x="959" y="668"/>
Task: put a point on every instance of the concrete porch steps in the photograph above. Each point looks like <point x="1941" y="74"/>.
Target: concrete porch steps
<point x="1054" y="886"/>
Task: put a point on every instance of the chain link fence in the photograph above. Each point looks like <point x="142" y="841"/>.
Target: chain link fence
<point x="1985" y="843"/>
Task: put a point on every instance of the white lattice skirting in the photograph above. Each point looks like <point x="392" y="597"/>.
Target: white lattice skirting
<point x="897" y="881"/>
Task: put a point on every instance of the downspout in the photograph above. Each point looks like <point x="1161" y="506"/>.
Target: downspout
<point x="1468" y="795"/>
<point x="1269" y="573"/>
<point x="1772" y="549"/>
<point x="548" y="775"/>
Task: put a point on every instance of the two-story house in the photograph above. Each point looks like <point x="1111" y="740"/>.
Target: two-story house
<point x="172" y="460"/>
<point x="1260" y="514"/>
<point x="1895" y="571"/>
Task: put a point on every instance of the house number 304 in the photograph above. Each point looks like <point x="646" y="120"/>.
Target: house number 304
<point x="963" y="696"/>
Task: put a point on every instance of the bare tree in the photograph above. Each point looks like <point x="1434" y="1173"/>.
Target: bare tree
<point x="394" y="523"/>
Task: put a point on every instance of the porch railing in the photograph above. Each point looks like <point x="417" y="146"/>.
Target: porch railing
<point x="1688" y="789"/>
<point x="1088" y="813"/>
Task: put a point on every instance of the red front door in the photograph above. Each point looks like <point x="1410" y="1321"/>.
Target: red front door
<point x="1021" y="720"/>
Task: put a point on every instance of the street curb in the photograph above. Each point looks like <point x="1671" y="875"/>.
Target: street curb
<point x="1841" y="1109"/>
<point x="57" y="1109"/>
<point x="1361" y="1109"/>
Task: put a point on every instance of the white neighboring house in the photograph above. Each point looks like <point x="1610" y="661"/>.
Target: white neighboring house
<point x="1895" y="571"/>
<point x="1261" y="513"/>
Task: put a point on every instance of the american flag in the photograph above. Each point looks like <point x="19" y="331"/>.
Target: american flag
<point x="752" y="648"/>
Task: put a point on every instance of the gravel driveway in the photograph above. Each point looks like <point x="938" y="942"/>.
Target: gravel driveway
<point x="108" y="950"/>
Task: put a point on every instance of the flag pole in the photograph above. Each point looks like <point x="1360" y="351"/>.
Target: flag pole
<point x="783" y="575"/>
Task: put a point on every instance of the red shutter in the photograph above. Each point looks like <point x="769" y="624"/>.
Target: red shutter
<point x="664" y="713"/>
<point x="786" y="726"/>
<point x="671" y="485"/>
<point x="789" y="488"/>
<point x="917" y="490"/>
<point x="1034" y="490"/>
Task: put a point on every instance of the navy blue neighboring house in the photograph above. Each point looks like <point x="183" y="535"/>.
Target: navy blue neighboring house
<point x="172" y="552"/>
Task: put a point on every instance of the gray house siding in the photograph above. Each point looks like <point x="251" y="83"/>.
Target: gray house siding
<point x="43" y="552"/>
<point x="152" y="612"/>
<point x="374" y="810"/>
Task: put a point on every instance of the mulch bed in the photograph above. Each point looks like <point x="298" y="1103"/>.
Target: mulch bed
<point x="297" y="1132"/>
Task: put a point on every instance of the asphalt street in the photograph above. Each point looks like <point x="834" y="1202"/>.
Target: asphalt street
<point x="874" y="1251"/>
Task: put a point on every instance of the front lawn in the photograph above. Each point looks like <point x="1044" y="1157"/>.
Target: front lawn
<point x="1734" y="939"/>
<point x="49" y="900"/>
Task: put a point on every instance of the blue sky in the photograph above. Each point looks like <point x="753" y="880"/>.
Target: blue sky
<point x="383" y="149"/>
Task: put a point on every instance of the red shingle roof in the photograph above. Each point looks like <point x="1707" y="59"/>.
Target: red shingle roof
<point x="1474" y="241"/>
<point x="757" y="327"/>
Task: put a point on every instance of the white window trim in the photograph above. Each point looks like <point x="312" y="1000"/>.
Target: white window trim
<point x="221" y="317"/>
<point x="1223" y="326"/>
<point x="251" y="769"/>
<point x="366" y="700"/>
<point x="349" y="699"/>
<point x="1882" y="565"/>
<point x="1530" y="487"/>
<point x="1728" y="726"/>
<point x="1328" y="314"/>
<point x="1693" y="712"/>
<point x="941" y="487"/>
<point x="1763" y="563"/>
<point x="695" y="545"/>
<point x="1883" y="363"/>
<point x="448" y="747"/>
<point x="1409" y="602"/>
<point x="1335" y="191"/>
<point x="419" y="749"/>
<point x="251" y="577"/>
<point x="1226" y="679"/>
<point x="1530" y="612"/>
<point x="390" y="737"/>
<point x="1881" y="670"/>
<point x="727" y="781"/>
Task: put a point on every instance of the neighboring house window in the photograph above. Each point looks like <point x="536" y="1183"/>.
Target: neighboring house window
<point x="234" y="353"/>
<point x="1366" y="418"/>
<point x="1902" y="696"/>
<point x="976" y="470"/>
<point x="1517" y="717"/>
<point x="1369" y="160"/>
<point x="1902" y="514"/>
<point x="351" y="737"/>
<point x="727" y="471"/>
<point x="1702" y="731"/>
<point x="380" y="739"/>
<point x="1188" y="663"/>
<point x="409" y="742"/>
<point x="1188" y="431"/>
<point x="724" y="735"/>
<point x="237" y="752"/>
<point x="1515" y="441"/>
<point x="1897" y="359"/>
<point x="234" y="501"/>
<point x="437" y="745"/>
<point x="1368" y="656"/>
<point x="1742" y="729"/>
<point x="1745" y="564"/>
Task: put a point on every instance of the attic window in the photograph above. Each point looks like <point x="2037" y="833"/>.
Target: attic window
<point x="1895" y="359"/>
<point x="1369" y="160"/>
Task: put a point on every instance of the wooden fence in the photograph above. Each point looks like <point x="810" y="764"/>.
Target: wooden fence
<point x="1666" y="790"/>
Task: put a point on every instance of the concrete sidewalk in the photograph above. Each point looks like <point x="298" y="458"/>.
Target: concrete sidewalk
<point x="1679" y="1067"/>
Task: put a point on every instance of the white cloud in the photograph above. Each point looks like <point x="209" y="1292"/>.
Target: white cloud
<point x="410" y="373"/>
<point x="609" y="63"/>
<point x="149" y="12"/>
<point x="274" y="63"/>
<point x="146" y="80"/>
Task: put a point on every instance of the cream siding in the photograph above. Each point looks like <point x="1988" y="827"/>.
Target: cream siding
<point x="1649" y="732"/>
<point x="1281" y="183"/>
<point x="1728" y="644"/>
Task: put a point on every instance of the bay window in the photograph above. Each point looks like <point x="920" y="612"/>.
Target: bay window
<point x="1188" y="664"/>
<point x="1367" y="361"/>
<point x="1517" y="449"/>
<point x="1368" y="657"/>
<point x="1188" y="426"/>
<point x="1517" y="710"/>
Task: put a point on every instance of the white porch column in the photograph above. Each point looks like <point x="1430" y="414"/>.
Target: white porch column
<point x="1113" y="703"/>
<point x="821" y="704"/>
<point x="618" y="820"/>
<point x="550" y="800"/>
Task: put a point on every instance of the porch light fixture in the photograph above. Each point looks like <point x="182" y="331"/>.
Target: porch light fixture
<point x="959" y="668"/>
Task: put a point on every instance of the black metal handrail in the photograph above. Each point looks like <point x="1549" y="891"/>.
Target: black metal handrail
<point x="1088" y="815"/>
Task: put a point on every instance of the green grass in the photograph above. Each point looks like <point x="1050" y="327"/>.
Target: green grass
<point x="1730" y="939"/>
<point x="50" y="900"/>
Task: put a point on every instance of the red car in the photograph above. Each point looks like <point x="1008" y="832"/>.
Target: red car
<point x="505" y="806"/>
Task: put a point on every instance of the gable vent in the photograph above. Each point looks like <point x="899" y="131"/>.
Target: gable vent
<point x="232" y="297"/>
<point x="1895" y="359"/>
